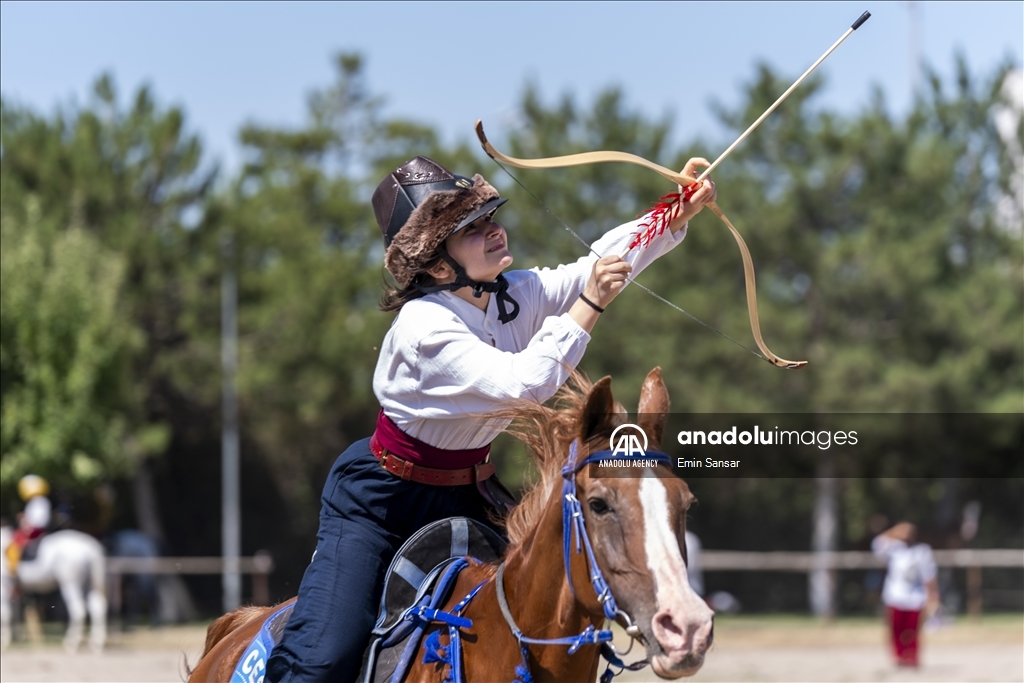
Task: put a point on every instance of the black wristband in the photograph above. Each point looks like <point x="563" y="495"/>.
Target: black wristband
<point x="591" y="303"/>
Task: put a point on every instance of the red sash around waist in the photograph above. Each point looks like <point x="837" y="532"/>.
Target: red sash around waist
<point x="411" y="449"/>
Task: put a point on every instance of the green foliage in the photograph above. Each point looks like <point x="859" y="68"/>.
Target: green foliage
<point x="881" y="258"/>
<point x="309" y="259"/>
<point x="859" y="229"/>
<point x="65" y="355"/>
<point x="93" y="204"/>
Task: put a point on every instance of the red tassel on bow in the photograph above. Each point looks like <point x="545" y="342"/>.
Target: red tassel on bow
<point x="660" y="216"/>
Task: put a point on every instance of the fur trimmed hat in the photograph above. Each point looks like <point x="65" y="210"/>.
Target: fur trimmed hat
<point x="419" y="205"/>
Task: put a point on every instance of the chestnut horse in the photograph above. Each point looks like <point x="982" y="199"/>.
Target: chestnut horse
<point x="635" y="523"/>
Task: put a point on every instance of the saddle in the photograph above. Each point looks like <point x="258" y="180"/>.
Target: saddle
<point x="422" y="574"/>
<point x="24" y="547"/>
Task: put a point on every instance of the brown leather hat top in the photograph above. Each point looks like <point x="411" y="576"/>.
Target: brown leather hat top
<point x="405" y="188"/>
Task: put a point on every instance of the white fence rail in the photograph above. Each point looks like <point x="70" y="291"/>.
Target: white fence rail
<point x="259" y="565"/>
<point x="971" y="560"/>
<point x="732" y="560"/>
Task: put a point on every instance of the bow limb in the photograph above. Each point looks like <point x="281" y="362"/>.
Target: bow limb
<point x="748" y="277"/>
<point x="582" y="160"/>
<point x="679" y="179"/>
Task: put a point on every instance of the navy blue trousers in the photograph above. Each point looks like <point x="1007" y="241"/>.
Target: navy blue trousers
<point x="366" y="515"/>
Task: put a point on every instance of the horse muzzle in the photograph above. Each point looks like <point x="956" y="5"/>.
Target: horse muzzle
<point x="684" y="642"/>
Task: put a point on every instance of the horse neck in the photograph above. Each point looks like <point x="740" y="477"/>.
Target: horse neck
<point x="541" y="601"/>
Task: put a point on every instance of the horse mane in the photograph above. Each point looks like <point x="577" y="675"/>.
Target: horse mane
<point x="547" y="430"/>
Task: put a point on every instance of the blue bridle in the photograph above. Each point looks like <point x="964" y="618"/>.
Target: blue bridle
<point x="573" y="522"/>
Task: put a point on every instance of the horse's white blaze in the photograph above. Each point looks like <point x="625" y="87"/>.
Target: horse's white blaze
<point x="682" y="623"/>
<point x="664" y="559"/>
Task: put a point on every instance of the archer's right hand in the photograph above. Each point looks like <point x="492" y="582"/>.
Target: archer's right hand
<point x="607" y="279"/>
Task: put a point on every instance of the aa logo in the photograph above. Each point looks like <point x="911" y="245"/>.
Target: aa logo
<point x="626" y="440"/>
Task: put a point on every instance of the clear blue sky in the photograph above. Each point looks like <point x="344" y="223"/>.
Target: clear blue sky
<point x="448" y="64"/>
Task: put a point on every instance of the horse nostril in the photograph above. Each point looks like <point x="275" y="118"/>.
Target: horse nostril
<point x="666" y="622"/>
<point x="711" y="633"/>
<point x="668" y="633"/>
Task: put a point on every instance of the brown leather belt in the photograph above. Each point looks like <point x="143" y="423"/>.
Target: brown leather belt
<point x="428" y="475"/>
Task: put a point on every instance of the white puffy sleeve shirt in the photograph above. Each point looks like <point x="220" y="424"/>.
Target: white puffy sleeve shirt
<point x="445" y="364"/>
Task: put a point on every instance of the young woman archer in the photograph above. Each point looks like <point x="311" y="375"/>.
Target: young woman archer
<point x="469" y="338"/>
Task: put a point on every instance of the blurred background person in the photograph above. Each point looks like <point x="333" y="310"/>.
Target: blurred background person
<point x="33" y="522"/>
<point x="911" y="586"/>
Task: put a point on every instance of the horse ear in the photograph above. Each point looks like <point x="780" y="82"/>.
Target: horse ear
<point x="654" y="404"/>
<point x="597" y="410"/>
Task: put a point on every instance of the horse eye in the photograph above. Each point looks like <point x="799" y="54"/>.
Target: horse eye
<point x="598" y="506"/>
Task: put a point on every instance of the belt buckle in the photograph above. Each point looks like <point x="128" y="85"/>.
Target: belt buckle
<point x="403" y="469"/>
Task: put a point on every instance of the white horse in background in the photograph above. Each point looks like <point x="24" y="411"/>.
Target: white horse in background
<point x="71" y="561"/>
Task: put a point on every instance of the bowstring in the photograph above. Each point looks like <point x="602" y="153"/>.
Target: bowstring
<point x="628" y="279"/>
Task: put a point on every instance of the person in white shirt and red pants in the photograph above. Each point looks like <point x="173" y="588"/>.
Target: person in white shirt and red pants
<point x="468" y="340"/>
<point x="910" y="587"/>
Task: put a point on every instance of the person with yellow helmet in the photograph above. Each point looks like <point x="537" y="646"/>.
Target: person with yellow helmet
<point x="33" y="522"/>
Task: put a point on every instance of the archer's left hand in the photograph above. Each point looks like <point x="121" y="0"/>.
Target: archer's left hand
<point x="706" y="193"/>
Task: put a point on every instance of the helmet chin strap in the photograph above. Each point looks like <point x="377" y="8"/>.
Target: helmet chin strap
<point x="508" y="308"/>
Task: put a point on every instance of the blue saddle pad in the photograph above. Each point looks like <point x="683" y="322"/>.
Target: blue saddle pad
<point x="252" y="665"/>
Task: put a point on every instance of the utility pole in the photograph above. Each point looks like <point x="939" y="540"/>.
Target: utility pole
<point x="231" y="518"/>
